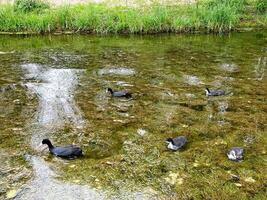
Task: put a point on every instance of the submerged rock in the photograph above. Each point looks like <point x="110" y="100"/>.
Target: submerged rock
<point x="250" y="180"/>
<point x="141" y="131"/>
<point x="235" y="153"/>
<point x="11" y="194"/>
<point x="238" y="184"/>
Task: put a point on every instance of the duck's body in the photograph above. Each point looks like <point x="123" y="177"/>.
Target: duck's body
<point x="235" y="153"/>
<point x="176" y="143"/>
<point x="214" y="92"/>
<point x="68" y="151"/>
<point x="119" y="93"/>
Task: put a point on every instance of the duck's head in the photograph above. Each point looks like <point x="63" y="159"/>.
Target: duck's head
<point x="48" y="142"/>
<point x="110" y="90"/>
<point x="171" y="146"/>
<point x="169" y="140"/>
<point x="207" y="91"/>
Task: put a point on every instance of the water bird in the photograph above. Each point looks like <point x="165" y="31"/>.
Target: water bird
<point x="68" y="151"/>
<point x="235" y="153"/>
<point x="176" y="143"/>
<point x="119" y="93"/>
<point x="214" y="92"/>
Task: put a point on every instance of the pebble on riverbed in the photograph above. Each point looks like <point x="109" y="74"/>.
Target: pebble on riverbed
<point x="11" y="194"/>
<point x="141" y="131"/>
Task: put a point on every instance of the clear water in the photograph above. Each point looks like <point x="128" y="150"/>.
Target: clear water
<point x="55" y="87"/>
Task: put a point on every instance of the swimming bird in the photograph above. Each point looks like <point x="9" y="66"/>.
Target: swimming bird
<point x="119" y="93"/>
<point x="235" y="153"/>
<point x="214" y="92"/>
<point x="68" y="151"/>
<point x="176" y="143"/>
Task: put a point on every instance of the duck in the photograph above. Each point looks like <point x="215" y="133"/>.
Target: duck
<point x="176" y="143"/>
<point x="235" y="153"/>
<point x="69" y="151"/>
<point x="119" y="93"/>
<point x="214" y="92"/>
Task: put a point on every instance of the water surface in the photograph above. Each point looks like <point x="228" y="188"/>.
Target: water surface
<point x="55" y="87"/>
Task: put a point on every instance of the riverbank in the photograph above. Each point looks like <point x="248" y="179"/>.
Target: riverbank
<point x="204" y="16"/>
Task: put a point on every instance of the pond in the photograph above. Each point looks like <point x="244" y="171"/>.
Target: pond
<point x="55" y="87"/>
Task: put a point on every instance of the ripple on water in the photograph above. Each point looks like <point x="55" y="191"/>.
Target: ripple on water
<point x="192" y="80"/>
<point x="123" y="71"/>
<point x="123" y="83"/>
<point x="230" y="67"/>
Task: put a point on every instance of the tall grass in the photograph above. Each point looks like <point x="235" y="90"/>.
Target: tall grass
<point x="211" y="16"/>
<point x="261" y="6"/>
<point x="30" y="5"/>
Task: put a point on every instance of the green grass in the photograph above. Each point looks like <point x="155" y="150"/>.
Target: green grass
<point x="207" y="16"/>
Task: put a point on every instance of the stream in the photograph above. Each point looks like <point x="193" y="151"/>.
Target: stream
<point x="55" y="87"/>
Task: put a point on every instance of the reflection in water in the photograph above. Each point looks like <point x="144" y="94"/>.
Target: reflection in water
<point x="44" y="186"/>
<point x="102" y="100"/>
<point x="54" y="88"/>
<point x="260" y="68"/>
<point x="222" y="106"/>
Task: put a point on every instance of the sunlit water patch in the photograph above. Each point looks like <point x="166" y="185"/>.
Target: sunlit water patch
<point x="54" y="88"/>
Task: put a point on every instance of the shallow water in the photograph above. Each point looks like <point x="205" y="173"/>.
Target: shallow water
<point x="55" y="87"/>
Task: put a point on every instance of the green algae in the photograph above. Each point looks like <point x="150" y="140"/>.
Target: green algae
<point x="166" y="103"/>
